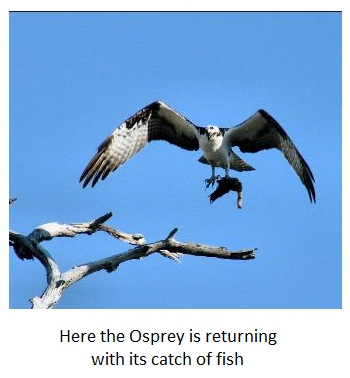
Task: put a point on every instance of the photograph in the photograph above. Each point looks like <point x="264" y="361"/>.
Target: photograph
<point x="175" y="160"/>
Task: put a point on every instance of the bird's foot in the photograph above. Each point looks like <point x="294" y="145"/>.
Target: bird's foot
<point x="211" y="181"/>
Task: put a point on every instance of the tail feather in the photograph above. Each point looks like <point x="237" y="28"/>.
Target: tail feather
<point x="236" y="163"/>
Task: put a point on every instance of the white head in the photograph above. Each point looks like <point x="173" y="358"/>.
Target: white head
<point x="212" y="131"/>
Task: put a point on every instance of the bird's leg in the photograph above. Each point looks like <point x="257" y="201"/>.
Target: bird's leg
<point x="212" y="179"/>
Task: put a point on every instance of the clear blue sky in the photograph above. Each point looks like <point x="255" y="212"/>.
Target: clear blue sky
<point x="75" y="76"/>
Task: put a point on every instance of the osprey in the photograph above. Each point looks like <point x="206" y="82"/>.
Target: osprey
<point x="159" y="121"/>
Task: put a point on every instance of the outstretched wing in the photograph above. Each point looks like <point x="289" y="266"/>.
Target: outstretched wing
<point x="260" y="132"/>
<point x="156" y="121"/>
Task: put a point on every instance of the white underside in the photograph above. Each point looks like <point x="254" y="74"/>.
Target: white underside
<point x="217" y="154"/>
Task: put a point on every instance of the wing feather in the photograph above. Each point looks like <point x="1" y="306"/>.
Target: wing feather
<point x="260" y="132"/>
<point x="156" y="121"/>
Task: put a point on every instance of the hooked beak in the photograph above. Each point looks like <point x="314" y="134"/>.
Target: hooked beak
<point x="212" y="134"/>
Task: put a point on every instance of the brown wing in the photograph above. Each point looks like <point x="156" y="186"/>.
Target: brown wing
<point x="260" y="132"/>
<point x="156" y="121"/>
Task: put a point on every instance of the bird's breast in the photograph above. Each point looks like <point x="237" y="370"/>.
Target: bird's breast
<point x="214" y="150"/>
<point x="210" y="145"/>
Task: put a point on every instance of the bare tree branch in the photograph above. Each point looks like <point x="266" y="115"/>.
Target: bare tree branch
<point x="28" y="247"/>
<point x="137" y="239"/>
<point x="51" y="230"/>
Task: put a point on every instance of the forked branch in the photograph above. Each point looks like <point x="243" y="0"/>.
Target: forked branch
<point x="28" y="247"/>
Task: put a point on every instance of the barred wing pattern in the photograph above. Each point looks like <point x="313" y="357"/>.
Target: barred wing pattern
<point x="156" y="121"/>
<point x="260" y="132"/>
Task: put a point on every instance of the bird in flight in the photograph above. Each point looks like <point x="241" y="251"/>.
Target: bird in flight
<point x="158" y="121"/>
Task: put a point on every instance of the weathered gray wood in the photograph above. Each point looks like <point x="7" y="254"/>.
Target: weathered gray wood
<point x="28" y="247"/>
